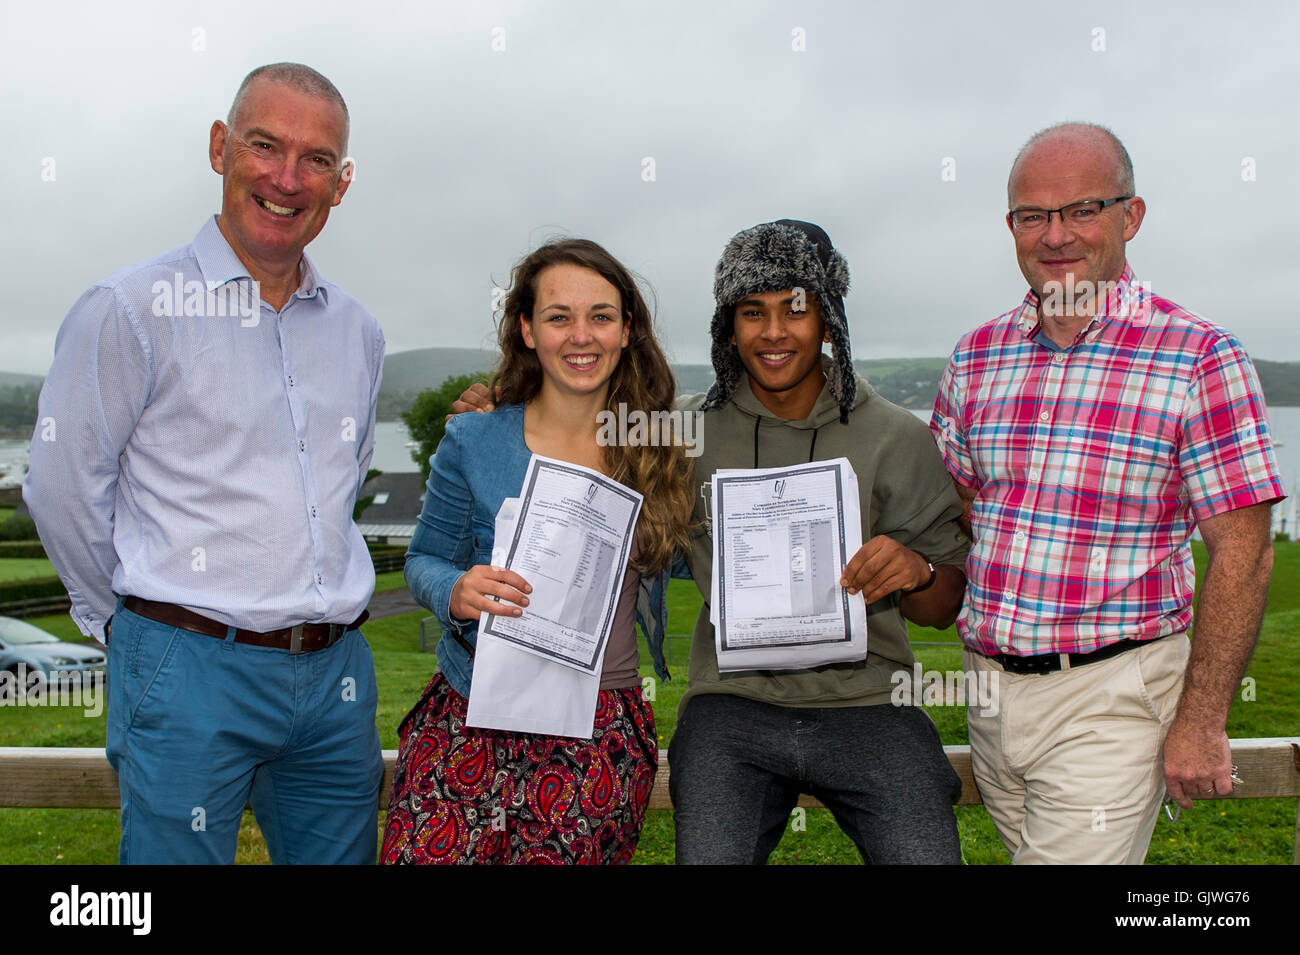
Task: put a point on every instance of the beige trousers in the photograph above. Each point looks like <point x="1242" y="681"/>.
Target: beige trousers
<point x="1069" y="763"/>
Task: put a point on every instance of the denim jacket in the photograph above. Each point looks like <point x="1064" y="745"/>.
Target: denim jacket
<point x="480" y="462"/>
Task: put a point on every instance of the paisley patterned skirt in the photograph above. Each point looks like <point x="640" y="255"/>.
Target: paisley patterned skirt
<point x="463" y="795"/>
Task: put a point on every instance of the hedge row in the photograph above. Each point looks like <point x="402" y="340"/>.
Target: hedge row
<point x="31" y="589"/>
<point x="21" y="549"/>
<point x="17" y="529"/>
<point x="386" y="560"/>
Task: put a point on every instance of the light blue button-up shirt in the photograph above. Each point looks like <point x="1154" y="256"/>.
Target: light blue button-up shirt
<point x="196" y="447"/>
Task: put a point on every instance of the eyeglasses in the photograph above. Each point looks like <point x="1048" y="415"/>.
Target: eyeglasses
<point x="1076" y="213"/>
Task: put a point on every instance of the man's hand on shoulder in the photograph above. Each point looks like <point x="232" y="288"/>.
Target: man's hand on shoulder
<point x="474" y="398"/>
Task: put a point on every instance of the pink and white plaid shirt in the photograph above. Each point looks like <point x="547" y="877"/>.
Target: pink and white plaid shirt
<point x="1092" y="465"/>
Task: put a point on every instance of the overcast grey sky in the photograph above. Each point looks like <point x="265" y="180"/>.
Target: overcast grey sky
<point x="468" y="155"/>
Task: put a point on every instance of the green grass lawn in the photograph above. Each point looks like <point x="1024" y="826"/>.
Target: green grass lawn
<point x="24" y="568"/>
<point x="390" y="581"/>
<point x="1250" y="831"/>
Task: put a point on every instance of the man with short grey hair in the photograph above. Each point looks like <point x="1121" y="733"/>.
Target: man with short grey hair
<point x="206" y="426"/>
<point x="1088" y="431"/>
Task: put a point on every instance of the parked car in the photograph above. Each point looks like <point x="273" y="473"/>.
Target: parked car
<point x="30" y="652"/>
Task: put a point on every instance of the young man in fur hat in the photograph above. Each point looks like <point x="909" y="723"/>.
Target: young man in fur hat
<point x="748" y="743"/>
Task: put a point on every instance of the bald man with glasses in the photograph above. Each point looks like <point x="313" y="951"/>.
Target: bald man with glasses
<point x="1088" y="432"/>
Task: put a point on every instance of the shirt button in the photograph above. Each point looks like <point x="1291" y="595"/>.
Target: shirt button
<point x="1033" y="475"/>
<point x="320" y="579"/>
<point x="313" y="510"/>
<point x="1020" y="535"/>
<point x="1005" y="649"/>
<point x="1059" y="357"/>
<point x="1008" y="595"/>
<point x="1044" y="416"/>
<point x="302" y="445"/>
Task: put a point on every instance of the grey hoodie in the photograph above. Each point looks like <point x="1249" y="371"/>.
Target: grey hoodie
<point x="904" y="492"/>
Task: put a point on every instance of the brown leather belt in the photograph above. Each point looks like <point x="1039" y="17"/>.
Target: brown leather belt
<point x="303" y="638"/>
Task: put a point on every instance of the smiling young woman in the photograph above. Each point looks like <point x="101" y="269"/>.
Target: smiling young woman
<point x="577" y="339"/>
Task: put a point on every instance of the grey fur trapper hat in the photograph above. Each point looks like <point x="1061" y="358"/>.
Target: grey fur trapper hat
<point x="769" y="258"/>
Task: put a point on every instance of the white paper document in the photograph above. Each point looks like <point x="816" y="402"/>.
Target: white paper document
<point x="571" y="542"/>
<point x="512" y="689"/>
<point x="540" y="672"/>
<point x="781" y="539"/>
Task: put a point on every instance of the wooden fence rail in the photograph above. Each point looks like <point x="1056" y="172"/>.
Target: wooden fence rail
<point x="35" y="777"/>
<point x="35" y="607"/>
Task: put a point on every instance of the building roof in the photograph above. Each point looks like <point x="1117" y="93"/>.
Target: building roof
<point x="401" y="507"/>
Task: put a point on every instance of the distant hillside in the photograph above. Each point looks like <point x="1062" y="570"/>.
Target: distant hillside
<point x="429" y="367"/>
<point x="692" y="379"/>
<point x="913" y="382"/>
<point x="909" y="382"/>
<point x="8" y="378"/>
<point x="1280" y="381"/>
<point x="18" y="394"/>
<point x="407" y="373"/>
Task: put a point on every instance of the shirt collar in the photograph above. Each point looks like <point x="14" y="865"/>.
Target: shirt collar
<point x="1126" y="300"/>
<point x="219" y="264"/>
<point x="311" y="281"/>
<point x="217" y="260"/>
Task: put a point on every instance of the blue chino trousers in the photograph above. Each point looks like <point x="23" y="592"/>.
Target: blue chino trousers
<point x="198" y="726"/>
